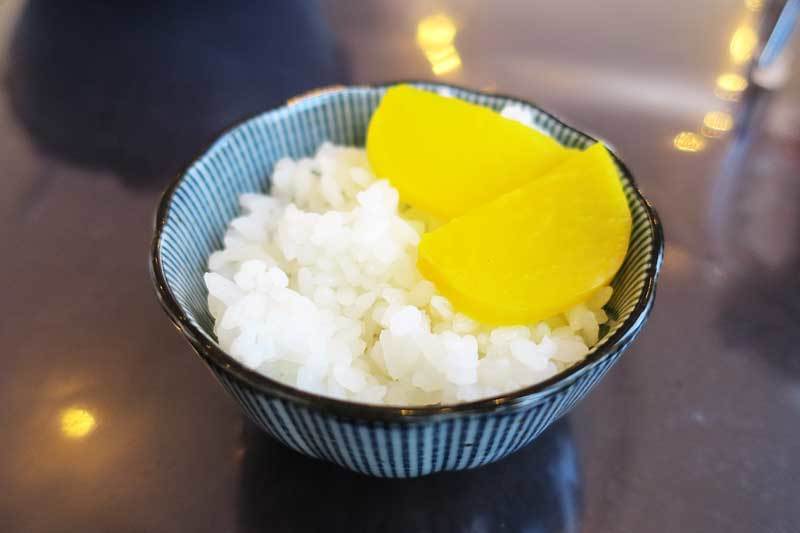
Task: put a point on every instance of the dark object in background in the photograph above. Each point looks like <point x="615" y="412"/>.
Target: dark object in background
<point x="539" y="488"/>
<point x="138" y="88"/>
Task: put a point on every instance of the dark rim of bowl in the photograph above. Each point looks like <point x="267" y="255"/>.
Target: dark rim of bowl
<point x="216" y="357"/>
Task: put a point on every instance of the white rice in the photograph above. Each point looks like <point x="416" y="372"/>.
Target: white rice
<point x="317" y="287"/>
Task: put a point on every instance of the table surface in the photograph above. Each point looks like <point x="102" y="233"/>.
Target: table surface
<point x="109" y="423"/>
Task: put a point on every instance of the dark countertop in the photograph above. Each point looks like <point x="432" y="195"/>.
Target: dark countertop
<point x="108" y="422"/>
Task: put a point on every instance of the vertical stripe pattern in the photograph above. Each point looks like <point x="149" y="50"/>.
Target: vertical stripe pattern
<point x="412" y="449"/>
<point x="241" y="161"/>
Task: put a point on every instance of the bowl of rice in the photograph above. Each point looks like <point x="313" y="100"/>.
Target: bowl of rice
<point x="290" y="268"/>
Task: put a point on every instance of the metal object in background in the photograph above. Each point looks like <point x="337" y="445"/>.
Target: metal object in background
<point x="781" y="33"/>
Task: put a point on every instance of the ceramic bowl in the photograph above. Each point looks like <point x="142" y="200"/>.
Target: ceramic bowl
<point x="385" y="441"/>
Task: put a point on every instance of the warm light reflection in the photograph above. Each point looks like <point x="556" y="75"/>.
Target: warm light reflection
<point x="743" y="44"/>
<point x="436" y="30"/>
<point x="716" y="123"/>
<point x="77" y="423"/>
<point x="687" y="141"/>
<point x="730" y="86"/>
<point x="447" y="61"/>
<point x="754" y="5"/>
<point x="435" y="35"/>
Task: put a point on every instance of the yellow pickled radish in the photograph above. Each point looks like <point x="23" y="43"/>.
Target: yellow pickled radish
<point x="538" y="250"/>
<point x="446" y="156"/>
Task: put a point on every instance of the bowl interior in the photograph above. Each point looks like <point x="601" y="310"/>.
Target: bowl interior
<point x="196" y="210"/>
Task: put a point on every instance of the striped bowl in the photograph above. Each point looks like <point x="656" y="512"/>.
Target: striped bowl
<point x="380" y="441"/>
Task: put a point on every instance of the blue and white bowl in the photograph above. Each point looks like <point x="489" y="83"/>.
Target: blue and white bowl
<point x="376" y="440"/>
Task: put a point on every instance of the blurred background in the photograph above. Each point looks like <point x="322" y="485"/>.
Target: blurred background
<point x="108" y="422"/>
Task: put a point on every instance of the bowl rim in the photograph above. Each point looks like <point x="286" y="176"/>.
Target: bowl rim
<point x="214" y="356"/>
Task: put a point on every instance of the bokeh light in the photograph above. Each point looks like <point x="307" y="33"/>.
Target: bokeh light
<point x="77" y="422"/>
<point x="754" y="5"/>
<point x="435" y="36"/>
<point x="743" y="44"/>
<point x="730" y="86"/>
<point x="688" y="141"/>
<point x="435" y="31"/>
<point x="717" y="123"/>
